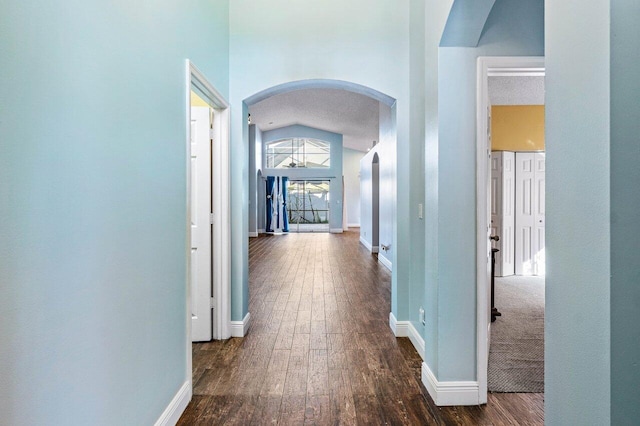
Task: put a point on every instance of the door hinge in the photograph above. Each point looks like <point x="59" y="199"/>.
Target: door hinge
<point x="211" y="217"/>
<point x="212" y="134"/>
<point x="213" y="303"/>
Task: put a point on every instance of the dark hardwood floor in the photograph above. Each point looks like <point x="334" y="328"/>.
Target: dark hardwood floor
<point x="320" y="350"/>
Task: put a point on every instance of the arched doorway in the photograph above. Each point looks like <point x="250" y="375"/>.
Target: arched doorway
<point x="240" y="308"/>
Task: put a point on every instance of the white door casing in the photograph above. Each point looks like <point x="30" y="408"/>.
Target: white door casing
<point x="221" y="206"/>
<point x="201" y="293"/>
<point x="489" y="66"/>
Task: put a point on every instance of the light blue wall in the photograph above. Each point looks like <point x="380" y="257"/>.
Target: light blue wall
<point x="435" y="16"/>
<point x="625" y="205"/>
<point x="278" y="41"/>
<point x="415" y="295"/>
<point x="332" y="173"/>
<point x="512" y="29"/>
<point x="577" y="324"/>
<point x="385" y="149"/>
<point x="92" y="183"/>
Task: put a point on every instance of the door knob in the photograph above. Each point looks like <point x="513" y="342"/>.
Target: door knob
<point x="494" y="238"/>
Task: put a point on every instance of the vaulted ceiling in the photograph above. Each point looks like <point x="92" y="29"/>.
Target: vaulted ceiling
<point x="350" y="114"/>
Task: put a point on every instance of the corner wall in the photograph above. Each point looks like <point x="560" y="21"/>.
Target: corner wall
<point x="93" y="190"/>
<point x="625" y="205"/>
<point x="577" y="314"/>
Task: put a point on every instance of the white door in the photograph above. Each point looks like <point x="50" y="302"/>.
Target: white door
<point x="539" y="215"/>
<point x="496" y="207"/>
<point x="201" y="318"/>
<point x="502" y="210"/>
<point x="508" y="218"/>
<point x="529" y="238"/>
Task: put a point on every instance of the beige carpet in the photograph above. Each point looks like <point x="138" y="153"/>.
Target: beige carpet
<point x="516" y="355"/>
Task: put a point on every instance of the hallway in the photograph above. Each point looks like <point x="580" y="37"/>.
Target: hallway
<point x="319" y="348"/>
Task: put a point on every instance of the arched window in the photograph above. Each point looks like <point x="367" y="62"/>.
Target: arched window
<point x="298" y="153"/>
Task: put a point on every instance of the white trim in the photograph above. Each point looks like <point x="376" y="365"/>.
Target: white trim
<point x="336" y="230"/>
<point x="487" y="66"/>
<point x="240" y="328"/>
<point x="365" y="243"/>
<point x="176" y="407"/>
<point x="406" y="329"/>
<point x="353" y="225"/>
<point x="261" y="231"/>
<point x="384" y="261"/>
<point x="449" y="393"/>
<point x="375" y="249"/>
<point x="253" y="234"/>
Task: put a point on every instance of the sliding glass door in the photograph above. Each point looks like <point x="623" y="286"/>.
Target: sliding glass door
<point x="308" y="205"/>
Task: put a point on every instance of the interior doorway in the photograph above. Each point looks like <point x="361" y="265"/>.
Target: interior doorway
<point x="208" y="263"/>
<point x="487" y="230"/>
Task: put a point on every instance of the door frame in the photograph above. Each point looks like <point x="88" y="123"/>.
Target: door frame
<point x="489" y="66"/>
<point x="221" y="202"/>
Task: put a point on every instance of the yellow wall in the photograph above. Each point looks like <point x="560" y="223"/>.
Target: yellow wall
<point x="517" y="128"/>
<point x="197" y="100"/>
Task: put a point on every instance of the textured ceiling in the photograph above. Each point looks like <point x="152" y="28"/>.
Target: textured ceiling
<point x="350" y="114"/>
<point x="516" y="90"/>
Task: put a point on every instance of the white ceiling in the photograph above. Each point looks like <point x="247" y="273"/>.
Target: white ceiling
<point x="350" y="114"/>
<point x="516" y="90"/>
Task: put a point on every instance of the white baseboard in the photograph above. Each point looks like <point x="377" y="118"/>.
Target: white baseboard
<point x="386" y="262"/>
<point x="353" y="225"/>
<point x="336" y="230"/>
<point x="261" y="231"/>
<point x="406" y="329"/>
<point x="365" y="243"/>
<point x="253" y="234"/>
<point x="176" y="407"/>
<point x="240" y="328"/>
<point x="375" y="249"/>
<point x="450" y="393"/>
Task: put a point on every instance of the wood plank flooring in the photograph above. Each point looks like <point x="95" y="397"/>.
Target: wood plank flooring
<point x="319" y="350"/>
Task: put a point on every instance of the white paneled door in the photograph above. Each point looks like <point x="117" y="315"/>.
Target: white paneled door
<point x="502" y="210"/>
<point x="201" y="292"/>
<point x="529" y="217"/>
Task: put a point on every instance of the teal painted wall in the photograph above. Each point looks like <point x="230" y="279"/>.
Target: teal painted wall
<point x="92" y="183"/>
<point x="276" y="42"/>
<point x="415" y="296"/>
<point x="436" y="14"/>
<point x="512" y="29"/>
<point x="577" y="319"/>
<point x="625" y="205"/>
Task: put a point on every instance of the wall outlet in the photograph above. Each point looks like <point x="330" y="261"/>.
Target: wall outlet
<point x="421" y="315"/>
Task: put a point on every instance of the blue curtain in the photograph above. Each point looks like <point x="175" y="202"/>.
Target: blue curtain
<point x="285" y="215"/>
<point x="270" y="194"/>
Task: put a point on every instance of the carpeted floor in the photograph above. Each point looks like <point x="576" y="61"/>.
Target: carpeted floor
<point x="516" y="355"/>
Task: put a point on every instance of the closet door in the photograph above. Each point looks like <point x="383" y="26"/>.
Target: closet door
<point x="496" y="206"/>
<point x="539" y="215"/>
<point x="525" y="219"/>
<point x="502" y="210"/>
<point x="508" y="217"/>
<point x="530" y="213"/>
